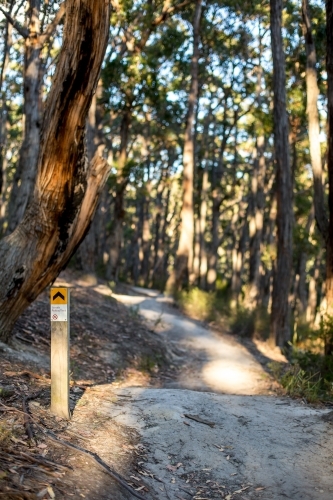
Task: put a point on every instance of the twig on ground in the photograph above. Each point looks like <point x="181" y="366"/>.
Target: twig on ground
<point x="98" y="460"/>
<point x="196" y="418"/>
<point x="27" y="416"/>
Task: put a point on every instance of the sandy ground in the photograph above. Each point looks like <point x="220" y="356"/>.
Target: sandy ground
<point x="243" y="444"/>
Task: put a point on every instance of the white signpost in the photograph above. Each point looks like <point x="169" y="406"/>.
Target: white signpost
<point x="60" y="351"/>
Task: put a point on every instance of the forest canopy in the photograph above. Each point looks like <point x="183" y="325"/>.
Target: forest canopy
<point x="211" y="122"/>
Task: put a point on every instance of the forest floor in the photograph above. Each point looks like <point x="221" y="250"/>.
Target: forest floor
<point x="180" y="411"/>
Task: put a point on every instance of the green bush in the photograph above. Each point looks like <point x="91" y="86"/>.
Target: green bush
<point x="197" y="303"/>
<point x="298" y="383"/>
<point x="310" y="376"/>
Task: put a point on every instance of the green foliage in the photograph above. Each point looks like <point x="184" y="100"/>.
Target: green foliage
<point x="299" y="384"/>
<point x="309" y="376"/>
<point x="197" y="303"/>
<point x="326" y="329"/>
<point x="215" y="306"/>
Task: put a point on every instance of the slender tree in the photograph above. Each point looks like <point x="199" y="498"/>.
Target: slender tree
<point x="184" y="257"/>
<point x="280" y="316"/>
<point x="329" y="246"/>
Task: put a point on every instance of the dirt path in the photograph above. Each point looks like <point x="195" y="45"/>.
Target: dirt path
<point x="208" y="361"/>
<point x="235" y="445"/>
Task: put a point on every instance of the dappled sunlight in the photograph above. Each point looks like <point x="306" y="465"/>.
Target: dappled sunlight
<point x="228" y="378"/>
<point x="207" y="361"/>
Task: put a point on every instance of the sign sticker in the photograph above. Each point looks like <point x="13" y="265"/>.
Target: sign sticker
<point x="58" y="312"/>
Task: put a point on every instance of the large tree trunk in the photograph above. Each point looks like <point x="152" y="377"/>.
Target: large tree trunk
<point x="184" y="257"/>
<point x="66" y="190"/>
<point x="280" y="316"/>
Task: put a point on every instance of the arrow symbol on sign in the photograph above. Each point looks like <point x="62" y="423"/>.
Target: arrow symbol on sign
<point x="58" y="294"/>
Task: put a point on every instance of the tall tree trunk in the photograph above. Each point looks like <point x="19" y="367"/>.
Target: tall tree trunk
<point x="329" y="246"/>
<point x="258" y="198"/>
<point x="66" y="190"/>
<point x="4" y="113"/>
<point x="257" y="223"/>
<point x="312" y="92"/>
<point x="116" y="236"/>
<point x="88" y="253"/>
<point x="280" y="316"/>
<point x="26" y="169"/>
<point x="184" y="257"/>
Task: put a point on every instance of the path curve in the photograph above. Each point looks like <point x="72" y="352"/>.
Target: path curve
<point x="209" y="361"/>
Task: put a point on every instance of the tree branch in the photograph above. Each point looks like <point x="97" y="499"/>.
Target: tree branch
<point x="50" y="28"/>
<point x="22" y="31"/>
<point x="166" y="13"/>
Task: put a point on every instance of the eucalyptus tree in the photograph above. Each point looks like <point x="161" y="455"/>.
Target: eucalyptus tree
<point x="280" y="316"/>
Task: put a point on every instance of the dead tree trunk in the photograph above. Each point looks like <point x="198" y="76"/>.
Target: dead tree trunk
<point x="280" y="316"/>
<point x="66" y="190"/>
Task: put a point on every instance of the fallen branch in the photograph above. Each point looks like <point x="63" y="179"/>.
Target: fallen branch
<point x="98" y="460"/>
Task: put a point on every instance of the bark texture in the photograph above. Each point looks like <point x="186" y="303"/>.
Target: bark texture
<point x="280" y="316"/>
<point x="66" y="189"/>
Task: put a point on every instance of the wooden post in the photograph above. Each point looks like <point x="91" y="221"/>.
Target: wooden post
<point x="60" y="352"/>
